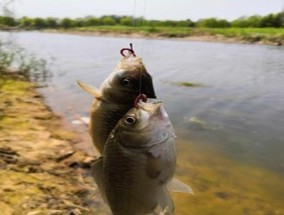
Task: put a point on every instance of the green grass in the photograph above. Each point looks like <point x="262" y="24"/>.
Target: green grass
<point x="146" y="31"/>
<point x="251" y="35"/>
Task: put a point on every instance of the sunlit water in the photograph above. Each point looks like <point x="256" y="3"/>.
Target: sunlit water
<point x="230" y="129"/>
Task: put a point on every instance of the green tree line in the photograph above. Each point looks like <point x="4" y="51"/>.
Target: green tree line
<point x="271" y="20"/>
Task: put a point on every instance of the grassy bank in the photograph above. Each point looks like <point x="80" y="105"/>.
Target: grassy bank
<point x="40" y="170"/>
<point x="272" y="36"/>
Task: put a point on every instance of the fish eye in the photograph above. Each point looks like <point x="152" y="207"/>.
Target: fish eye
<point x="130" y="120"/>
<point x="126" y="82"/>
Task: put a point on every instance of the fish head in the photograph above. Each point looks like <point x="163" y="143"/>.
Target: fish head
<point x="144" y="126"/>
<point x="129" y="79"/>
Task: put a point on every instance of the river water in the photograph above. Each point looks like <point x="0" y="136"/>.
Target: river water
<point x="230" y="126"/>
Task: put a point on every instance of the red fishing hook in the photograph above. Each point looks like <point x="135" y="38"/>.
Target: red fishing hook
<point x="142" y="97"/>
<point x="129" y="50"/>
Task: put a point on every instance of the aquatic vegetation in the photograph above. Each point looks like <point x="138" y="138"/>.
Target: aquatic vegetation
<point x="184" y="83"/>
<point x="197" y="123"/>
<point x="15" y="59"/>
<point x="187" y="84"/>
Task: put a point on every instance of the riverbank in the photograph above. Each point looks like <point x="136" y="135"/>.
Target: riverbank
<point x="267" y="36"/>
<point x="41" y="172"/>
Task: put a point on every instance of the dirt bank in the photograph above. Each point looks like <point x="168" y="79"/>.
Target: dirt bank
<point x="40" y="170"/>
<point x="194" y="37"/>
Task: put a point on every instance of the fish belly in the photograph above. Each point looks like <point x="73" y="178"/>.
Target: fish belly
<point x="129" y="188"/>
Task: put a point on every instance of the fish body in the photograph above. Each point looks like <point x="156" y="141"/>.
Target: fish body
<point x="138" y="162"/>
<point x="116" y="96"/>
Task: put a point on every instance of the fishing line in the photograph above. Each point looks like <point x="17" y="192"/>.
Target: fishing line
<point x="133" y="16"/>
<point x="143" y="25"/>
<point x="142" y="48"/>
<point x="130" y="51"/>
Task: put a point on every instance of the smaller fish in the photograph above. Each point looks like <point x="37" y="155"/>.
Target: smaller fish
<point x="116" y="96"/>
<point x="138" y="163"/>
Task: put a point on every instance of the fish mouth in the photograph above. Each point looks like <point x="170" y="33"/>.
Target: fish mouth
<point x="147" y="86"/>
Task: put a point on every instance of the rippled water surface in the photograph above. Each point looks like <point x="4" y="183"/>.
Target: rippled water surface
<point x="230" y="127"/>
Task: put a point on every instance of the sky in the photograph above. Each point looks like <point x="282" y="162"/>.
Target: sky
<point x="150" y="9"/>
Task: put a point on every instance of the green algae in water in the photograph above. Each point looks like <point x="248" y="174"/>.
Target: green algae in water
<point x="187" y="84"/>
<point x="184" y="84"/>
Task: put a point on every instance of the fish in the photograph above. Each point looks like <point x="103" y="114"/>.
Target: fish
<point x="116" y="96"/>
<point x="138" y="162"/>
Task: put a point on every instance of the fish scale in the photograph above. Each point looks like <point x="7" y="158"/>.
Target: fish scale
<point x="138" y="162"/>
<point x="104" y="119"/>
<point x="116" y="96"/>
<point x="133" y="166"/>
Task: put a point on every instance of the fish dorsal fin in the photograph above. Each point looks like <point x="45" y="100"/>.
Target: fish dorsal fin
<point x="176" y="185"/>
<point x="89" y="89"/>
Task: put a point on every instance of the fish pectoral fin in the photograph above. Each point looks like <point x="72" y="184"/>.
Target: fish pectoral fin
<point x="158" y="210"/>
<point x="176" y="185"/>
<point x="89" y="89"/>
<point x="97" y="171"/>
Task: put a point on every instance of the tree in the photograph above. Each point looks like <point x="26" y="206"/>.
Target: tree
<point x="38" y="23"/>
<point x="67" y="23"/>
<point x="190" y="23"/>
<point x="271" y="20"/>
<point x="279" y="20"/>
<point x="79" y="22"/>
<point x="107" y="20"/>
<point x="91" y="21"/>
<point x="51" y="22"/>
<point x="7" y="21"/>
<point x="254" y="21"/>
<point x="126" y="20"/>
<point x="25" y="22"/>
<point x="240" y="22"/>
<point x="212" y="23"/>
<point x="182" y="23"/>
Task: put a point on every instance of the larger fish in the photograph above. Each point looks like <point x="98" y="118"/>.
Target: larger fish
<point x="116" y="96"/>
<point x="138" y="162"/>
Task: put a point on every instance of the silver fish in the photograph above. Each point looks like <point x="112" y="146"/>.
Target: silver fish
<point x="116" y="96"/>
<point x="138" y="162"/>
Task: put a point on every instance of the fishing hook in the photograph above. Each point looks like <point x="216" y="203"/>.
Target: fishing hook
<point x="130" y="51"/>
<point x="142" y="97"/>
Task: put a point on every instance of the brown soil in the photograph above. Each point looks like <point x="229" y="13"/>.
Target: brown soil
<point x="41" y="172"/>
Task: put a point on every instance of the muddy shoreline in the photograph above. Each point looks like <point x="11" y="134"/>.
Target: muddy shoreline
<point x="41" y="170"/>
<point x="200" y="38"/>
